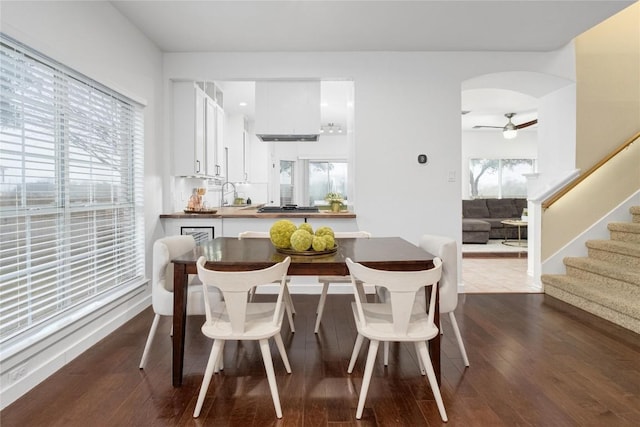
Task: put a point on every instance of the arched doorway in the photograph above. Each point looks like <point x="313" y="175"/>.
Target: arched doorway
<point x="544" y="106"/>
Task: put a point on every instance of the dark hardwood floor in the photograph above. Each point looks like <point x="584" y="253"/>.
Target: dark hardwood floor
<point x="534" y="362"/>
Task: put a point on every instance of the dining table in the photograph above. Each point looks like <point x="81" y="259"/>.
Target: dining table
<point x="233" y="254"/>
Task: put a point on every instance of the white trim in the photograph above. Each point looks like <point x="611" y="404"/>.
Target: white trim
<point x="26" y="368"/>
<point x="554" y="186"/>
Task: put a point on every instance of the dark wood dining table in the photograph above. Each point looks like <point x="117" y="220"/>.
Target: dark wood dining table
<point x="232" y="254"/>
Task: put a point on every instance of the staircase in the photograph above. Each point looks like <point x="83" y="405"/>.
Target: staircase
<point x="607" y="282"/>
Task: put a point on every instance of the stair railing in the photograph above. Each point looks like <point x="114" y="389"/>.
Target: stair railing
<point x="574" y="183"/>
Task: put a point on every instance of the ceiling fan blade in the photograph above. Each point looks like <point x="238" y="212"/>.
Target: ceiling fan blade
<point x="482" y="126"/>
<point x="526" y="124"/>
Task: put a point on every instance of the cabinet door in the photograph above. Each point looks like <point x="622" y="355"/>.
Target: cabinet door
<point x="210" y="137"/>
<point x="200" y="133"/>
<point x="184" y="126"/>
<point x="220" y="157"/>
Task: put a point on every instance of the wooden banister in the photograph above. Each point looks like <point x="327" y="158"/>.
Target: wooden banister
<point x="564" y="190"/>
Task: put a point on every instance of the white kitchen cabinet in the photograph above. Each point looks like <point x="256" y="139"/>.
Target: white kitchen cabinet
<point x="287" y="108"/>
<point x="236" y="143"/>
<point x="220" y="142"/>
<point x="195" y="131"/>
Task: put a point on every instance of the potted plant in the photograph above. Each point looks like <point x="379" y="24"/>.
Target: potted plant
<point x="335" y="201"/>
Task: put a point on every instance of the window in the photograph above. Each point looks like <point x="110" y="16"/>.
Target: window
<point x="326" y="177"/>
<point x="287" y="181"/>
<point x="499" y="178"/>
<point x="71" y="199"/>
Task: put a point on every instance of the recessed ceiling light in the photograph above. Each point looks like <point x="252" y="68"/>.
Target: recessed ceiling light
<point x="324" y="104"/>
<point x="243" y="104"/>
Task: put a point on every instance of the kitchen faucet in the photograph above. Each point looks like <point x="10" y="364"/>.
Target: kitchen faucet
<point x="222" y="193"/>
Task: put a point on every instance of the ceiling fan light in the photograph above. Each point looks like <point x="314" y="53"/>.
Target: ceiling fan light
<point x="509" y="133"/>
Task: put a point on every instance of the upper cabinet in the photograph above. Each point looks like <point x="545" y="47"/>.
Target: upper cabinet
<point x="196" y="135"/>
<point x="287" y="110"/>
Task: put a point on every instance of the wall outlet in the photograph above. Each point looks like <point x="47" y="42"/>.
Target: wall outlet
<point x="17" y="373"/>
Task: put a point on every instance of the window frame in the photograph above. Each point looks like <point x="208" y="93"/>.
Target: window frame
<point x="96" y="208"/>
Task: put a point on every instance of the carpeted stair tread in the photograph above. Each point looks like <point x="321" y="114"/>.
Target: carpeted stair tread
<point x="627" y="227"/>
<point x="606" y="283"/>
<point x="616" y="251"/>
<point x="635" y="213"/>
<point x="616" y="246"/>
<point x="605" y="268"/>
<point x="623" y="300"/>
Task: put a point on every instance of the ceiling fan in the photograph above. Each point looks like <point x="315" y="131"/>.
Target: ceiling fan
<point x="510" y="130"/>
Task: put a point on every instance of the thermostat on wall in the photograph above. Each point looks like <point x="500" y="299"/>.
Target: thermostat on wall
<point x="422" y="158"/>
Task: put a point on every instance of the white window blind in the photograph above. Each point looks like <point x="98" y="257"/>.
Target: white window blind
<point x="71" y="191"/>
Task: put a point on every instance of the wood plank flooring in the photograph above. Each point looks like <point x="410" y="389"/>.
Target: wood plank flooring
<point x="535" y="361"/>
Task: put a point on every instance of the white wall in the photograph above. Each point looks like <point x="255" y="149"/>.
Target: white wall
<point x="492" y="145"/>
<point x="93" y="38"/>
<point x="405" y="104"/>
<point x="557" y="133"/>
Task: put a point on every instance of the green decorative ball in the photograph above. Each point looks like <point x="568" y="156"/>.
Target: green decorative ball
<point x="281" y="232"/>
<point x="323" y="231"/>
<point x="318" y="243"/>
<point x="329" y="240"/>
<point x="301" y="240"/>
<point x="306" y="226"/>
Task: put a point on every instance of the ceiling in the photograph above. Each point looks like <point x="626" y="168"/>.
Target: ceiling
<point x="310" y="26"/>
<point x="382" y="25"/>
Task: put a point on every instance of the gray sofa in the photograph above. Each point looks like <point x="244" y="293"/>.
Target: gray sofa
<point x="481" y="219"/>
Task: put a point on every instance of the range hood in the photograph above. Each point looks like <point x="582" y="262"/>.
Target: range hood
<point x="288" y="111"/>
<point x="288" y="138"/>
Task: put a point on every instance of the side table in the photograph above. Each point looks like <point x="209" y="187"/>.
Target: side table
<point x="514" y="223"/>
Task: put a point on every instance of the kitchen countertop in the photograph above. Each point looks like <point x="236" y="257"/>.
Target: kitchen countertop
<point x="252" y="212"/>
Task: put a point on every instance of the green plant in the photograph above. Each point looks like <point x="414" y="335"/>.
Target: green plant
<point x="334" y="197"/>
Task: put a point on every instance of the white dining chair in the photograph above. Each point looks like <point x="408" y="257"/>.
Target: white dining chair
<point x="445" y="248"/>
<point x="235" y="318"/>
<point x="399" y="319"/>
<point x="164" y="250"/>
<point x="328" y="280"/>
<point x="289" y="307"/>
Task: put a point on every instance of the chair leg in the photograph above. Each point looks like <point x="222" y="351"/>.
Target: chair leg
<point x="271" y="376"/>
<point x="354" y="353"/>
<point x="456" y="332"/>
<point x="220" y="361"/>
<point x="386" y="353"/>
<point x="283" y="352"/>
<point x="147" y="346"/>
<point x="366" y="379"/>
<point x="289" y="309"/>
<point x="320" y="309"/>
<point x="208" y="373"/>
<point x="289" y="300"/>
<point x="420" y="364"/>
<point x="431" y="376"/>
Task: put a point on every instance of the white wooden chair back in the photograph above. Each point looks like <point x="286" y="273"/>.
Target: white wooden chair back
<point x="402" y="287"/>
<point x="352" y="235"/>
<point x="446" y="249"/>
<point x="164" y="250"/>
<point x="234" y="286"/>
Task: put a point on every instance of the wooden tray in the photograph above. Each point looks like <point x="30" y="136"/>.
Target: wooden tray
<point x="308" y="253"/>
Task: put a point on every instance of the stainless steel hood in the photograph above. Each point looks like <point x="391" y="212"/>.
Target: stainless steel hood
<point x="289" y="138"/>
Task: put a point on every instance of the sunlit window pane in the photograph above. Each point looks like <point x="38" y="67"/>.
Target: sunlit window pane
<point x="499" y="178"/>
